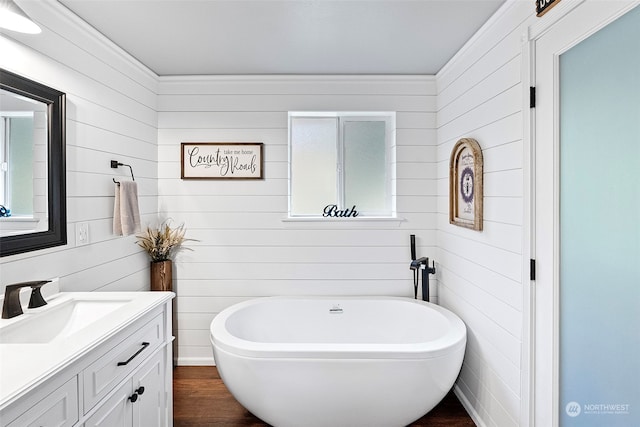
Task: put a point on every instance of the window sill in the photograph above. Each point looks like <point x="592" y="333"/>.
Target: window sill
<point x="11" y="225"/>
<point x="20" y="220"/>
<point x="363" y="222"/>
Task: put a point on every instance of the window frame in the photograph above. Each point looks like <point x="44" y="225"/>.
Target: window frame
<point x="342" y="117"/>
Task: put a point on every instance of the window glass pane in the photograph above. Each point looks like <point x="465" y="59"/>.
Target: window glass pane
<point x="313" y="164"/>
<point x="599" y="198"/>
<point x="21" y="165"/>
<point x="364" y="166"/>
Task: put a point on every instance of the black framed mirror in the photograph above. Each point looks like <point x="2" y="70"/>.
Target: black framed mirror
<point x="34" y="182"/>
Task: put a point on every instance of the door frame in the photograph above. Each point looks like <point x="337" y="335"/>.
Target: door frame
<point x="547" y="40"/>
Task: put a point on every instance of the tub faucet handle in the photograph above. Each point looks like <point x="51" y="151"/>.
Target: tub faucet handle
<point x="432" y="269"/>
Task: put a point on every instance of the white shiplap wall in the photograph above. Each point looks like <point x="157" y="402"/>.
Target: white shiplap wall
<point x="111" y="114"/>
<point x="245" y="249"/>
<point x="480" y="95"/>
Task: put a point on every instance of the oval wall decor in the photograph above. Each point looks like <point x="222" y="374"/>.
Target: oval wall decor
<point x="465" y="184"/>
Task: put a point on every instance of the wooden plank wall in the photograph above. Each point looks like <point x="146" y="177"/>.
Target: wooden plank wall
<point x="111" y="114"/>
<point x="245" y="249"/>
<point x="480" y="95"/>
<point x="117" y="109"/>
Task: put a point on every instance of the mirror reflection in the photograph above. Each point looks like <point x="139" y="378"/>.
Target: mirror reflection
<point x="23" y="165"/>
<point x="33" y="211"/>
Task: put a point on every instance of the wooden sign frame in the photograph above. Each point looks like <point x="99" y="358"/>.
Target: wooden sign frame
<point x="543" y="6"/>
<point x="221" y="160"/>
<point x="466" y="184"/>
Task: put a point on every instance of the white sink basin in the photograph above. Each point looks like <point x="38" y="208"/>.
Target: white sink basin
<point x="56" y="322"/>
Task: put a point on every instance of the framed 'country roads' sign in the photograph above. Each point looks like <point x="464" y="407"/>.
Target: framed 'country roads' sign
<point x="221" y="160"/>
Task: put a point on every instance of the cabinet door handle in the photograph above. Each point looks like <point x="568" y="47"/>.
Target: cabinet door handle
<point x="144" y="345"/>
<point x="133" y="397"/>
<point x="140" y="390"/>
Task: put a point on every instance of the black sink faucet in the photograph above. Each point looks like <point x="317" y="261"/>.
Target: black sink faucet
<point x="11" y="306"/>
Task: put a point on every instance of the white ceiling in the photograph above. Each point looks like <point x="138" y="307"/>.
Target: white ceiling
<point x="215" y="37"/>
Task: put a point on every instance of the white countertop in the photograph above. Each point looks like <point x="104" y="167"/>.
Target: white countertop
<point x="24" y="366"/>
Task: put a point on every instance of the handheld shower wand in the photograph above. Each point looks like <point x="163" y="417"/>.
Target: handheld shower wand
<point x="413" y="247"/>
<point x="414" y="267"/>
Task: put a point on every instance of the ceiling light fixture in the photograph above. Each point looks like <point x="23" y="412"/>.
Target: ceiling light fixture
<point x="15" y="19"/>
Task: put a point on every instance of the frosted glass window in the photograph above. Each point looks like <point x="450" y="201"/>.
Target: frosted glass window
<point x="313" y="166"/>
<point x="17" y="147"/>
<point x="365" y="165"/>
<point x="341" y="159"/>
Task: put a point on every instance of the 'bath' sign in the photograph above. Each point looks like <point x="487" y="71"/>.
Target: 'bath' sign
<point x="332" y="211"/>
<point x="221" y="160"/>
<point x="543" y="6"/>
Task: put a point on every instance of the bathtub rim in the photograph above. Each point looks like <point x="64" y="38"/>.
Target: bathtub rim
<point x="220" y="337"/>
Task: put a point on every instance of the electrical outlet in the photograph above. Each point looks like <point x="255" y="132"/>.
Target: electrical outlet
<point x="82" y="233"/>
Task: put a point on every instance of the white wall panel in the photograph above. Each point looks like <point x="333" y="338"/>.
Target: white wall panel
<point x="221" y="120"/>
<point x="111" y="114"/>
<point x="506" y="76"/>
<point x="296" y="85"/>
<point x="502" y="105"/>
<point x="420" y="120"/>
<point x="302" y="102"/>
<point x="492" y="354"/>
<point x="235" y="287"/>
<point x="480" y="96"/>
<point x="118" y="109"/>
<point x="111" y="61"/>
<point x="245" y="248"/>
<point x="487" y="46"/>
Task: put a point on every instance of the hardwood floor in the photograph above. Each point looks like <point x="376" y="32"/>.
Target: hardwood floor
<point x="200" y="399"/>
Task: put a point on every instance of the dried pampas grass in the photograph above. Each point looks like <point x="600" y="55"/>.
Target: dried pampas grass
<point x="163" y="242"/>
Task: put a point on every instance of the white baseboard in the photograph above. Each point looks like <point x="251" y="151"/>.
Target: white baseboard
<point x="468" y="407"/>
<point x="196" y="361"/>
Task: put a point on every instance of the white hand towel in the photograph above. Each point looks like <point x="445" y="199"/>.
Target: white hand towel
<point x="126" y="214"/>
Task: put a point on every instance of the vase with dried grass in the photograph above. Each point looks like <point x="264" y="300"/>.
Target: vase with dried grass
<point x="162" y="243"/>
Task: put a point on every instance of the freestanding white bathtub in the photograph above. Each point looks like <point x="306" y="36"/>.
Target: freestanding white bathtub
<point x="338" y="361"/>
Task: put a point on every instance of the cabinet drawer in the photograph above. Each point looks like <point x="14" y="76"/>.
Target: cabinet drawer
<point x="105" y="373"/>
<point x="59" y="408"/>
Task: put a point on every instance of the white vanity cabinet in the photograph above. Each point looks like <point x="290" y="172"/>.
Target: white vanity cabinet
<point x="59" y="408"/>
<point x="123" y="380"/>
<point x="139" y="402"/>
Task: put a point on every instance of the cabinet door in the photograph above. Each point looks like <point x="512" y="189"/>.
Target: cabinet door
<point x="59" y="409"/>
<point x="149" y="410"/>
<point x="119" y="362"/>
<point x="115" y="412"/>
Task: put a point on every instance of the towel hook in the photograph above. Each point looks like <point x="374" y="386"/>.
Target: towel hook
<point x="115" y="164"/>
